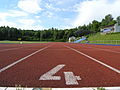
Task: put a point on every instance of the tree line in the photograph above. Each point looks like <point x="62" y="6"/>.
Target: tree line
<point x="53" y="34"/>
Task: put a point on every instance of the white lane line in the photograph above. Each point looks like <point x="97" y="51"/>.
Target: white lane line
<point x="114" y="69"/>
<point x="71" y="79"/>
<point x="10" y="65"/>
<point x="49" y="75"/>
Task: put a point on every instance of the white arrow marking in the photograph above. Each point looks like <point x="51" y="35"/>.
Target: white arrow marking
<point x="71" y="79"/>
<point x="49" y="75"/>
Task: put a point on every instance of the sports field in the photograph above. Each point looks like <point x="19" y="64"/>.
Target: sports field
<point x="24" y="42"/>
<point x="59" y="65"/>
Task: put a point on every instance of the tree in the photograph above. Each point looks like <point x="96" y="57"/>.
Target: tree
<point x="95" y="26"/>
<point x="108" y="20"/>
<point x="53" y="34"/>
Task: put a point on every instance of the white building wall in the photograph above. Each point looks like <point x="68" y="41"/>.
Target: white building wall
<point x="117" y="28"/>
<point x="71" y="39"/>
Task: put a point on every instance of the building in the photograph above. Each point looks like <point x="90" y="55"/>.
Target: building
<point x="117" y="28"/>
<point x="71" y="39"/>
<point x="110" y="29"/>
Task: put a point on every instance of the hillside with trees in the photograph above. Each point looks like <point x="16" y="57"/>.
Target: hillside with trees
<point x="53" y="34"/>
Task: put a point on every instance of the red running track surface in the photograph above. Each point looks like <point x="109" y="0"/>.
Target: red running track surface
<point x="37" y="59"/>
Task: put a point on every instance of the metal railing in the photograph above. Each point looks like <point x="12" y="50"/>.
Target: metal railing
<point x="116" y="42"/>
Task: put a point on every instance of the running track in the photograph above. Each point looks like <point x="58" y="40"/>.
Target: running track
<point x="59" y="65"/>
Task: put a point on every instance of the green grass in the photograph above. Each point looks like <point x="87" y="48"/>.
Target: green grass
<point x="113" y="38"/>
<point x="24" y="42"/>
<point x="100" y="88"/>
<point x="98" y="36"/>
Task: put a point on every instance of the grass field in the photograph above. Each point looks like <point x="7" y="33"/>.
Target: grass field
<point x="24" y="42"/>
<point x="113" y="38"/>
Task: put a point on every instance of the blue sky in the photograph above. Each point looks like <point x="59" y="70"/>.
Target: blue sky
<point x="61" y="14"/>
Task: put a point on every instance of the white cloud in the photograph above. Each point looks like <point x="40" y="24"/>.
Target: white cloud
<point x="30" y="6"/>
<point x="66" y="27"/>
<point x="37" y="17"/>
<point x="12" y="13"/>
<point x="90" y="10"/>
<point x="27" y="21"/>
<point x="62" y="2"/>
<point x="31" y="27"/>
<point x="57" y="9"/>
<point x="51" y="7"/>
<point x="29" y="24"/>
<point x="17" y="13"/>
<point x="58" y="2"/>
<point x="49" y="14"/>
<point x="4" y="16"/>
<point x="20" y="22"/>
<point x="7" y="23"/>
<point x="61" y="5"/>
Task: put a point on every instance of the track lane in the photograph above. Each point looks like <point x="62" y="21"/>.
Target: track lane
<point x="109" y="58"/>
<point x="20" y="60"/>
<point x="28" y="72"/>
<point x="104" y="47"/>
<point x="8" y="57"/>
<point x="9" y="46"/>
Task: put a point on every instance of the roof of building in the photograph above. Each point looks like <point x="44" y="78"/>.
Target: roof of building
<point x="108" y="26"/>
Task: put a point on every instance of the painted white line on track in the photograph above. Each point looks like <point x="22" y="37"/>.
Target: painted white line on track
<point x="49" y="75"/>
<point x="88" y="88"/>
<point x="113" y="69"/>
<point x="71" y="79"/>
<point x="14" y="63"/>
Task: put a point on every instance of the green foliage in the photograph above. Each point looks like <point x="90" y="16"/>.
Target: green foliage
<point x="82" y="31"/>
<point x="100" y="88"/>
<point x="113" y="38"/>
<point x="98" y="36"/>
<point x="7" y="33"/>
<point x="53" y="34"/>
<point x="24" y="42"/>
<point x="108" y="21"/>
<point x="95" y="26"/>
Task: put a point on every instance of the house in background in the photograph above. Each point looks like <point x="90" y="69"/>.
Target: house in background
<point x="107" y="29"/>
<point x="117" y="27"/>
<point x="110" y="29"/>
<point x="71" y="39"/>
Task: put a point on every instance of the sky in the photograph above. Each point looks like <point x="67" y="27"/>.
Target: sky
<point x="61" y="14"/>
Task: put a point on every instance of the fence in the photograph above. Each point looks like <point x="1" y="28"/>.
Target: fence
<point x="116" y="42"/>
